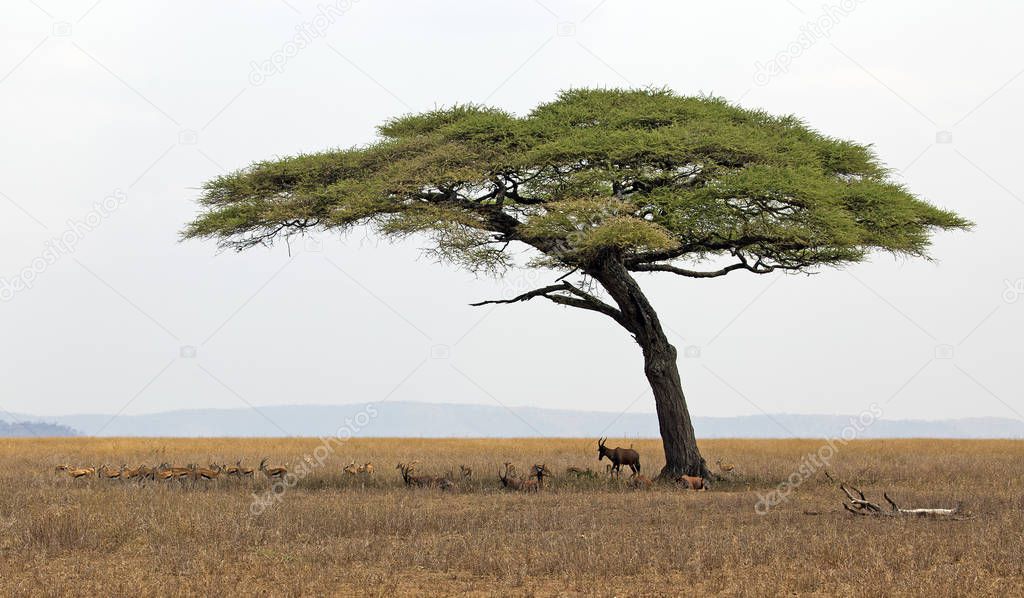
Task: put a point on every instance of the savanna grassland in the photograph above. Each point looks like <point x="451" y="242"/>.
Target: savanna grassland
<point x="334" y="533"/>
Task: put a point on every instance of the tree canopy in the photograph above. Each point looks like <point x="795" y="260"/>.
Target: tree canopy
<point x="652" y="176"/>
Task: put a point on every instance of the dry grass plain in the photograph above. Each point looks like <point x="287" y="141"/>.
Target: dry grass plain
<point x="335" y="535"/>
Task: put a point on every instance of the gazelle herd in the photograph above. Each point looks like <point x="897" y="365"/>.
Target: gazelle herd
<point x="166" y="471"/>
<point x="508" y="477"/>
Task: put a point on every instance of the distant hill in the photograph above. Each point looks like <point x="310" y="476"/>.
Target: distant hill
<point x="33" y="429"/>
<point x="409" y="419"/>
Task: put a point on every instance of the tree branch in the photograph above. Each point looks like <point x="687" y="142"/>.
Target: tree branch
<point x="581" y="300"/>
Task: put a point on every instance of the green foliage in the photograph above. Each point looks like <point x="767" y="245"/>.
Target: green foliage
<point x="645" y="175"/>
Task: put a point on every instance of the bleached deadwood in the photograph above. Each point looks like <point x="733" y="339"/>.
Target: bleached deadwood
<point x="862" y="506"/>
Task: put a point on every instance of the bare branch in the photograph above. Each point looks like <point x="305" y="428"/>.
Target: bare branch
<point x="554" y="293"/>
<point x="685" y="272"/>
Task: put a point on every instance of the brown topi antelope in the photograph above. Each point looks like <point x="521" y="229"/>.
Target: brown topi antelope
<point x="619" y="457"/>
<point x="466" y="472"/>
<point x="277" y="472"/>
<point x="422" y="481"/>
<point x="351" y="469"/>
<point x="510" y="481"/>
<point x="692" y="482"/>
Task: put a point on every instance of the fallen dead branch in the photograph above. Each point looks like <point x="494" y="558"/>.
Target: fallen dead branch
<point x="863" y="506"/>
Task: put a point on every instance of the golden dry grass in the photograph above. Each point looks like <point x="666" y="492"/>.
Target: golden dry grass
<point x="335" y="534"/>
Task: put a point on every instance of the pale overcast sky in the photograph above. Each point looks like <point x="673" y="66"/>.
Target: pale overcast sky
<point x="139" y="103"/>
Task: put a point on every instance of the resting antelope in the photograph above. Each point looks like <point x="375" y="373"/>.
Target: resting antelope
<point x="640" y="482"/>
<point x="351" y="468"/>
<point x="365" y="468"/>
<point x="619" y="457"/>
<point x="61" y="468"/>
<point x="581" y="473"/>
<point x="692" y="482"/>
<point x="422" y="481"/>
<point x="276" y="472"/>
<point x="510" y="481"/>
<point x="726" y="467"/>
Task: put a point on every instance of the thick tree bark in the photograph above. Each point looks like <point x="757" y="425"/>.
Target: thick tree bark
<point x="681" y="454"/>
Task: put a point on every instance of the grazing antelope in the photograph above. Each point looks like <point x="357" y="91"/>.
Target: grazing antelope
<point x="692" y="482"/>
<point x="80" y="472"/>
<point x="173" y="473"/>
<point x="129" y="474"/>
<point x="277" y="472"/>
<point x="109" y="474"/>
<point x="422" y="481"/>
<point x="351" y="468"/>
<point x="725" y="467"/>
<point x="245" y="472"/>
<point x="205" y="473"/>
<point x="168" y="472"/>
<point x="466" y="472"/>
<point x="619" y="457"/>
<point x="147" y="473"/>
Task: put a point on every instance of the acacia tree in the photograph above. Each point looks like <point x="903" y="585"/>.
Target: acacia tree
<point x="601" y="184"/>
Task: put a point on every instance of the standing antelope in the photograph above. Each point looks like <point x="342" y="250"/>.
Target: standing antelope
<point x="277" y="472"/>
<point x="619" y="457"/>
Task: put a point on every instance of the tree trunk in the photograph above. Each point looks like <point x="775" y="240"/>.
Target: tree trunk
<point x="681" y="454"/>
